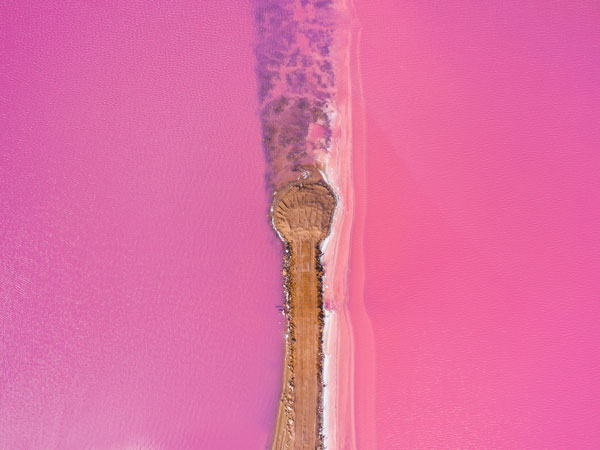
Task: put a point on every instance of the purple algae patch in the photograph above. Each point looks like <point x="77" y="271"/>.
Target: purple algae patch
<point x="295" y="83"/>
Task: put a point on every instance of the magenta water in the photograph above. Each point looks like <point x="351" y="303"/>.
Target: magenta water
<point x="139" y="276"/>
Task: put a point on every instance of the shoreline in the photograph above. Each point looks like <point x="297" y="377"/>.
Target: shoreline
<point x="338" y="342"/>
<point x="348" y="330"/>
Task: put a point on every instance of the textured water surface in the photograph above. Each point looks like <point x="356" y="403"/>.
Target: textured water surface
<point x="139" y="277"/>
<point x="481" y="232"/>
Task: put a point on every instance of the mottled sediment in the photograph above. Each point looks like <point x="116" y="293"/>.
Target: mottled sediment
<point x="302" y="214"/>
<point x="295" y="84"/>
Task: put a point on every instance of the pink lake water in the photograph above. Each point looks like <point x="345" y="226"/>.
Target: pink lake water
<point x="477" y="171"/>
<point x="139" y="276"/>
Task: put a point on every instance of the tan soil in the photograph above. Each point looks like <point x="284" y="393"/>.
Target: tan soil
<point x="302" y="215"/>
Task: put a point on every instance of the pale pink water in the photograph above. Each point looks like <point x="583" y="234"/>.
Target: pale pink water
<point x="481" y="243"/>
<point x="139" y="276"/>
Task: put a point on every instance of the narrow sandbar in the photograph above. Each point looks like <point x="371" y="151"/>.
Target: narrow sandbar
<point x="302" y="214"/>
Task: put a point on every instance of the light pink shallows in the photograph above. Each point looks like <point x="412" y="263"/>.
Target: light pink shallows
<point x="481" y="237"/>
<point x="139" y="277"/>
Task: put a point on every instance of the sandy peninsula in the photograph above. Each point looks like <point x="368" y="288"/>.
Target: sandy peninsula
<point x="302" y="214"/>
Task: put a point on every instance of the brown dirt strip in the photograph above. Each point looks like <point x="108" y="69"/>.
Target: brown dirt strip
<point x="302" y="215"/>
